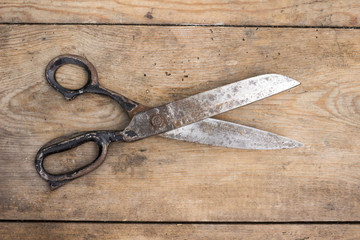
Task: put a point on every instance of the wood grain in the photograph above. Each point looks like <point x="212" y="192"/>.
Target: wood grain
<point x="218" y="12"/>
<point x="89" y="231"/>
<point x="158" y="179"/>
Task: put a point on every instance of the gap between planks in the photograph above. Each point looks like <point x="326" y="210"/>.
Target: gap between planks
<point x="181" y="25"/>
<point x="188" y="222"/>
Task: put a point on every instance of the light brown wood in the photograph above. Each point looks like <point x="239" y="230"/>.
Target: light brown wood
<point x="158" y="179"/>
<point x="39" y="231"/>
<point x="218" y="12"/>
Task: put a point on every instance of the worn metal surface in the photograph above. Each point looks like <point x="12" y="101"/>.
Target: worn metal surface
<point x="101" y="138"/>
<point x="210" y="103"/>
<point x="92" y="85"/>
<point x="215" y="132"/>
<point x="147" y="122"/>
<point x="228" y="97"/>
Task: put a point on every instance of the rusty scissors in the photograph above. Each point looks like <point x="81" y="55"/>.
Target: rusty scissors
<point x="187" y="119"/>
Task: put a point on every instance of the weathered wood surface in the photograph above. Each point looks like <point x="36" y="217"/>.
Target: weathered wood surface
<point x="39" y="231"/>
<point x="166" y="180"/>
<point x="219" y="12"/>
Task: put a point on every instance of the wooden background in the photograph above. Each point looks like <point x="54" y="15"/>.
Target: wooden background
<point x="158" y="188"/>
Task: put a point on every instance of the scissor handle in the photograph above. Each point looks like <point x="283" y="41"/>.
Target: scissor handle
<point x="61" y="60"/>
<point x="92" y="85"/>
<point x="101" y="138"/>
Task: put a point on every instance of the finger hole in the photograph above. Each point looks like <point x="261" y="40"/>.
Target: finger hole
<point x="70" y="160"/>
<point x="71" y="76"/>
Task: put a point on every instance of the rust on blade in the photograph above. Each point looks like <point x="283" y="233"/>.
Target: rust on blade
<point x="228" y="97"/>
<point x="207" y="104"/>
<point x="226" y="134"/>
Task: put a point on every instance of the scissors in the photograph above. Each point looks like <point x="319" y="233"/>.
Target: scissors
<point x="188" y="119"/>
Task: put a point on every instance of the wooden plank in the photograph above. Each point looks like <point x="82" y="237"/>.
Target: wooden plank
<point x="166" y="180"/>
<point x="88" y="231"/>
<point x="218" y="12"/>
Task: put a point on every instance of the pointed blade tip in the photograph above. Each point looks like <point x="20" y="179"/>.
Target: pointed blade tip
<point x="298" y="144"/>
<point x="292" y="80"/>
<point x="294" y="144"/>
<point x="295" y="82"/>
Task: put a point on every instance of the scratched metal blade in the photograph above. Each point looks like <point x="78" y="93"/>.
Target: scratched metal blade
<point x="228" y="97"/>
<point x="206" y="104"/>
<point x="226" y="134"/>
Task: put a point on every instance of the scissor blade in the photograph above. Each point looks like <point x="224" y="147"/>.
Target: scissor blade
<point x="226" y="134"/>
<point x="228" y="97"/>
<point x="206" y="104"/>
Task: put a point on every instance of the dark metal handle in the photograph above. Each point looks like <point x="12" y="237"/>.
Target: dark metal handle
<point x="61" y="60"/>
<point x="92" y="85"/>
<point x="102" y="140"/>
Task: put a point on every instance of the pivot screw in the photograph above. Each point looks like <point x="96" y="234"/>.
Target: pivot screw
<point x="158" y="120"/>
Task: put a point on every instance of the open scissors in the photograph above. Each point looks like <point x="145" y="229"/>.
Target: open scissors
<point x="187" y="119"/>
